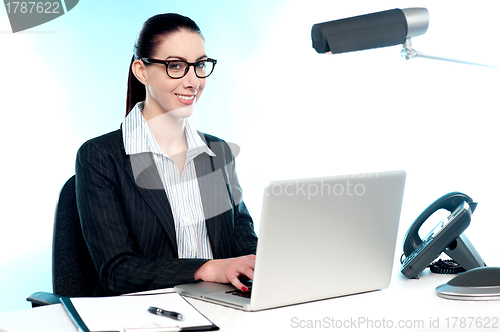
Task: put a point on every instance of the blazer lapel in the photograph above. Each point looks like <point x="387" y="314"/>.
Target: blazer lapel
<point x="143" y="172"/>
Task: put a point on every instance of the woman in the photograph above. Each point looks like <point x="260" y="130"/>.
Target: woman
<point x="159" y="202"/>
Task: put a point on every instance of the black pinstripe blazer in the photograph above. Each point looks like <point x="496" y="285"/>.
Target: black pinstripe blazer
<point x="127" y="221"/>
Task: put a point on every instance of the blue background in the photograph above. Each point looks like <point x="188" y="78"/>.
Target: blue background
<point x="293" y="112"/>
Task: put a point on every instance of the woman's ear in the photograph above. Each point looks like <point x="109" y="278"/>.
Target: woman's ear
<point x="139" y="70"/>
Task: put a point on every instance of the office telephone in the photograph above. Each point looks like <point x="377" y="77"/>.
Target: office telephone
<point x="447" y="236"/>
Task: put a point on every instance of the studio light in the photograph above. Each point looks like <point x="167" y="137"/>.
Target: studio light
<point x="387" y="28"/>
<point x="381" y="29"/>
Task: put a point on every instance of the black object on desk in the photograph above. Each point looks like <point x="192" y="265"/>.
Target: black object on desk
<point x="166" y="313"/>
<point x="73" y="314"/>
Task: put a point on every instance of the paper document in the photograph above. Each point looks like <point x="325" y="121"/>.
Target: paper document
<point x="119" y="313"/>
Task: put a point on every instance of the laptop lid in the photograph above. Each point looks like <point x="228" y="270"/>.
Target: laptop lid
<point x="320" y="238"/>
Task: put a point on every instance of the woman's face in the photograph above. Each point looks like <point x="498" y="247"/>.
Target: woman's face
<point x="165" y="94"/>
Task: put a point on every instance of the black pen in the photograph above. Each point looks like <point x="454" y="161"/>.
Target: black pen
<point x="166" y="313"/>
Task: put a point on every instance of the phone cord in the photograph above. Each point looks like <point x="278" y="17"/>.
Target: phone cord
<point x="447" y="266"/>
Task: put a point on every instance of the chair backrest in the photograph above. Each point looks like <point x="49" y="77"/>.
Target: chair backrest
<point x="73" y="272"/>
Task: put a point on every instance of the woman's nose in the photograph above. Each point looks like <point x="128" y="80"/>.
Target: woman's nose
<point x="191" y="81"/>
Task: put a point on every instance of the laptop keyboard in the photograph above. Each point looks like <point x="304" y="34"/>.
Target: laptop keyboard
<point x="237" y="292"/>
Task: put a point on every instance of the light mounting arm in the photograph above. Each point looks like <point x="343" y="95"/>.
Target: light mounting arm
<point x="408" y="52"/>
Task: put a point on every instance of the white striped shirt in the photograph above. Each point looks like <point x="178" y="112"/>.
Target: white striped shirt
<point x="182" y="190"/>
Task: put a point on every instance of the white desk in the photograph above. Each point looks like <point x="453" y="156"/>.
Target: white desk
<point x="412" y="303"/>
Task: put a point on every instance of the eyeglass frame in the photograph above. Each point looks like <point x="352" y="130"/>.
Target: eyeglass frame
<point x="189" y="64"/>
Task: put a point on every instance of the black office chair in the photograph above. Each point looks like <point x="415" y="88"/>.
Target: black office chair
<point x="73" y="272"/>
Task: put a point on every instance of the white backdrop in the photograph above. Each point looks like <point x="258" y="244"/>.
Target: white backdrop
<point x="293" y="112"/>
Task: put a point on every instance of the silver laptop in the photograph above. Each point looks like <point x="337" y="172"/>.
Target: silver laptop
<point x="319" y="238"/>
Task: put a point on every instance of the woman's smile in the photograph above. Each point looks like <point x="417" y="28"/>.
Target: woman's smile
<point x="186" y="99"/>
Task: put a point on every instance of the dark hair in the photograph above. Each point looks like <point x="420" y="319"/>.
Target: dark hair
<point x="152" y="32"/>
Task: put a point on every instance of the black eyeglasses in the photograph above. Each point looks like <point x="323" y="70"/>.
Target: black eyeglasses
<point x="179" y="68"/>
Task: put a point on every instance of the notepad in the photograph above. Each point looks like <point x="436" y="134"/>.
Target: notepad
<point x="130" y="313"/>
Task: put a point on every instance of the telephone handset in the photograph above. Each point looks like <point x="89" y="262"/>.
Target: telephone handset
<point x="447" y="236"/>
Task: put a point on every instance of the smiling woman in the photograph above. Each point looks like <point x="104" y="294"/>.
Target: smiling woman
<point x="145" y="204"/>
<point x="166" y="94"/>
<point x="152" y="43"/>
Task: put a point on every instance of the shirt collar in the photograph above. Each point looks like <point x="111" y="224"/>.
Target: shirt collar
<point x="196" y="145"/>
<point x="134" y="129"/>
<point x="138" y="138"/>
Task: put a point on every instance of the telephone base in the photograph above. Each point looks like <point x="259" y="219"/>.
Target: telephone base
<point x="464" y="253"/>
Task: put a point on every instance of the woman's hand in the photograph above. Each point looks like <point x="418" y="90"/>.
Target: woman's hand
<point x="227" y="270"/>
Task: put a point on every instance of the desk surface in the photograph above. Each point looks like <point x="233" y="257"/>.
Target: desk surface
<point x="406" y="305"/>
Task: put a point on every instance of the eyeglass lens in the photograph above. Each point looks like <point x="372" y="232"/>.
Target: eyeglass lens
<point x="178" y="69"/>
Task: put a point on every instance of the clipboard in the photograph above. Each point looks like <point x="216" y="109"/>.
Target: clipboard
<point x="130" y="314"/>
